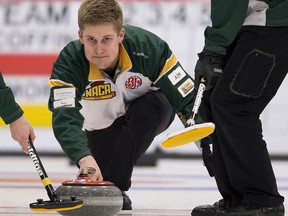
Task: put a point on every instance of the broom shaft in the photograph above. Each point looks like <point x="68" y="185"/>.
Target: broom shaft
<point x="41" y="171"/>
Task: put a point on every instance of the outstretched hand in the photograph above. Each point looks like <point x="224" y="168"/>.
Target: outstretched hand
<point x="89" y="161"/>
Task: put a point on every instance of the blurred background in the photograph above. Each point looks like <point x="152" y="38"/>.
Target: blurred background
<point x="32" y="33"/>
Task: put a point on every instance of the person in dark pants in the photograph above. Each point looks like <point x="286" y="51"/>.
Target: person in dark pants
<point x="128" y="143"/>
<point x="244" y="62"/>
<point x="113" y="91"/>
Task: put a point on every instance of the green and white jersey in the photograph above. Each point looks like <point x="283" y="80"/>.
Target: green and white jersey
<point x="228" y="17"/>
<point x="82" y="95"/>
<point x="9" y="109"/>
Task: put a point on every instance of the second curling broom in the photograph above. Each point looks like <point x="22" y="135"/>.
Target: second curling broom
<point x="55" y="203"/>
<point x="194" y="131"/>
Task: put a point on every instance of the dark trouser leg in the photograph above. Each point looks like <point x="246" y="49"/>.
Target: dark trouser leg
<point x="251" y="78"/>
<point x="131" y="136"/>
<point x="229" y="194"/>
<point x="102" y="142"/>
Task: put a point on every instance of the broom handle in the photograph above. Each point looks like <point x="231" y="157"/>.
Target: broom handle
<point x="41" y="171"/>
<point x="197" y="102"/>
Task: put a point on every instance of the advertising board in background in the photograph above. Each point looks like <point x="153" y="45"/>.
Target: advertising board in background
<point x="34" y="32"/>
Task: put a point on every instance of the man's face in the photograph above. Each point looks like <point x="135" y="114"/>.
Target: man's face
<point x="101" y="45"/>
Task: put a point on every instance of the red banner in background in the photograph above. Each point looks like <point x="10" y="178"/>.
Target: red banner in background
<point x="27" y="64"/>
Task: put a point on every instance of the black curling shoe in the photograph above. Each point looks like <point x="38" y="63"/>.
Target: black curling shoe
<point x="127" y="204"/>
<point x="218" y="209"/>
<point x="255" y="210"/>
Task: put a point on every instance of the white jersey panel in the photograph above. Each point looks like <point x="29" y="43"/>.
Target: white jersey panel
<point x="104" y="101"/>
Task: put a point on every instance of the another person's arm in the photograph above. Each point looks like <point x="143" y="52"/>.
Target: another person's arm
<point x="12" y="114"/>
<point x="21" y="129"/>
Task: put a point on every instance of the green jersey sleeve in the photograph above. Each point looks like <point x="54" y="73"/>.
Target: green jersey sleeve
<point x="67" y="86"/>
<point x="9" y="109"/>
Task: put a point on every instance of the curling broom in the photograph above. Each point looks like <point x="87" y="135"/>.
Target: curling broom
<point x="194" y="131"/>
<point x="55" y="203"/>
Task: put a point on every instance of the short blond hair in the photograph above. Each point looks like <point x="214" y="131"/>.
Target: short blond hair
<point x="97" y="12"/>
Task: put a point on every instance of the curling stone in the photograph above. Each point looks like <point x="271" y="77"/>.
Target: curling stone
<point x="101" y="198"/>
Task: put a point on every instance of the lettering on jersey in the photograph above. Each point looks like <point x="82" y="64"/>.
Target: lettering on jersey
<point x="186" y="87"/>
<point x="133" y="82"/>
<point x="176" y="75"/>
<point x="98" y="90"/>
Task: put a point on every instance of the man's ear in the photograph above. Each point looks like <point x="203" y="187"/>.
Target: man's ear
<point x="80" y="36"/>
<point x="121" y="35"/>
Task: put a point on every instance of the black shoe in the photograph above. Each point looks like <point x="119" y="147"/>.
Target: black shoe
<point x="127" y="204"/>
<point x="209" y="210"/>
<point x="255" y="210"/>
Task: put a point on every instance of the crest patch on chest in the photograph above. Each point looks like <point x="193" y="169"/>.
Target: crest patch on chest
<point x="133" y="82"/>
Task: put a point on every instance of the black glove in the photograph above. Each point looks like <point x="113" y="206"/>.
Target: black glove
<point x="207" y="155"/>
<point x="209" y="66"/>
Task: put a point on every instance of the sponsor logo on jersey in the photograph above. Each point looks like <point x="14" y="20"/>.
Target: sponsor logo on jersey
<point x="64" y="97"/>
<point x="64" y="93"/>
<point x="141" y="54"/>
<point x="98" y="90"/>
<point x="186" y="87"/>
<point x="69" y="102"/>
<point x="133" y="82"/>
<point x="176" y="75"/>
